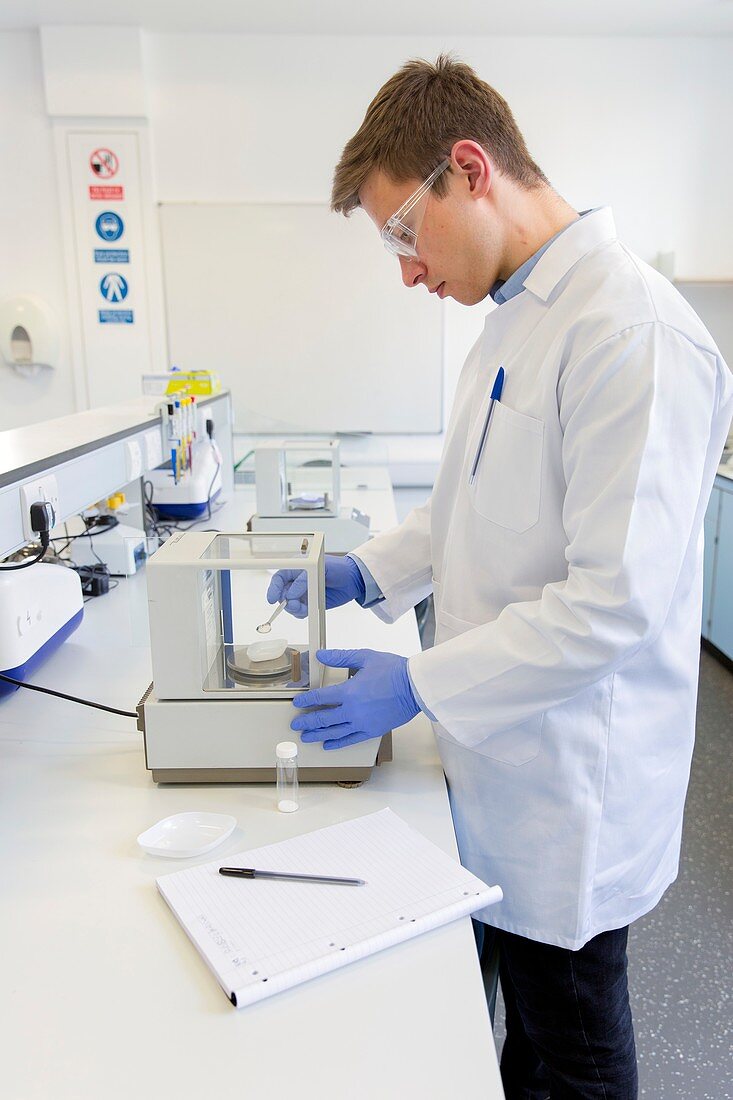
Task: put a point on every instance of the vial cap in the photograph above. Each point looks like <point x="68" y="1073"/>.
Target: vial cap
<point x="286" y="750"/>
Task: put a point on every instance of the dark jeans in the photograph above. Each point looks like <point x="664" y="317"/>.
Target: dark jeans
<point x="568" y="1021"/>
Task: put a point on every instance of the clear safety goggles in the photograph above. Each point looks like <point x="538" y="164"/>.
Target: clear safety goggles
<point x="400" y="232"/>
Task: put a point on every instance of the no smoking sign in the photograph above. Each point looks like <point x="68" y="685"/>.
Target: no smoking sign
<point x="104" y="163"/>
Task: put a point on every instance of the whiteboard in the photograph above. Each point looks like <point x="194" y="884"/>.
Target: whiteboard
<point x="304" y="316"/>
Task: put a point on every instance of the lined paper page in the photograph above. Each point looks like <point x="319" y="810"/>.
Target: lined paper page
<point x="260" y="936"/>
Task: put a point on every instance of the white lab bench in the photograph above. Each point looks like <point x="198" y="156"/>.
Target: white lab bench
<point x="92" y="454"/>
<point x="102" y="994"/>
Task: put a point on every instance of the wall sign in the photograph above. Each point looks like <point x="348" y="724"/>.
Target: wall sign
<point x="114" y="287"/>
<point x="111" y="249"/>
<point x="106" y="192"/>
<point x="111" y="256"/>
<point x="104" y="163"/>
<point x="109" y="226"/>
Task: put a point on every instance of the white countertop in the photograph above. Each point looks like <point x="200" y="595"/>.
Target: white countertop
<point x="103" y="995"/>
<point x="22" y="447"/>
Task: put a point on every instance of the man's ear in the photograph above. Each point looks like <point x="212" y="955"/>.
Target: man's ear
<point x="471" y="161"/>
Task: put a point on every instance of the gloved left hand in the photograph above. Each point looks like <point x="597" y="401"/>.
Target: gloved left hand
<point x="369" y="704"/>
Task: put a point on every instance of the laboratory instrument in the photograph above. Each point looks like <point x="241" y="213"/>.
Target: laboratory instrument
<point x="39" y="608"/>
<point x="287" y="776"/>
<point x="217" y="708"/>
<point x="190" y="480"/>
<point x="121" y="547"/>
<point x="188" y="494"/>
<point x="298" y="486"/>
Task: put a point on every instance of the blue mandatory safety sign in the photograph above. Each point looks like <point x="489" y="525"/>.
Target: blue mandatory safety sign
<point x="116" y="317"/>
<point x="109" y="226"/>
<point x="111" y="256"/>
<point x="113" y="287"/>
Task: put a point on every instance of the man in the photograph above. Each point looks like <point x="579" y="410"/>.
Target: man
<point x="563" y="545"/>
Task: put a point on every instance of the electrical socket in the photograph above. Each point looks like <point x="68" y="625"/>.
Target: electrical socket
<point x="133" y="460"/>
<point x="39" y="488"/>
<point x="153" y="449"/>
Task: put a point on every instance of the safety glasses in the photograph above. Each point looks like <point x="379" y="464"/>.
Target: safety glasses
<point x="400" y="232"/>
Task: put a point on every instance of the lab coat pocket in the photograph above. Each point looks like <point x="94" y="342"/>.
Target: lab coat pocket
<point x="508" y="483"/>
<point x="514" y="746"/>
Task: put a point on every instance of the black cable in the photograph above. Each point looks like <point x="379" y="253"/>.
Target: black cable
<point x="68" y="541"/>
<point x="93" y="528"/>
<point x="211" y="486"/>
<point x="71" y="698"/>
<point x="88" y="574"/>
<point x="162" y="531"/>
<point x="104" y="523"/>
<point x="87" y="534"/>
<point x="149" y="519"/>
<point x="31" y="561"/>
<point x="204" y="519"/>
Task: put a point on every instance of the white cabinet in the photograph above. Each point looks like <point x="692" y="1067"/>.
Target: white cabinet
<point x="712" y="519"/>
<point x="717" y="621"/>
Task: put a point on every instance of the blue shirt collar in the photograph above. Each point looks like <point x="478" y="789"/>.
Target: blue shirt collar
<point x="502" y="291"/>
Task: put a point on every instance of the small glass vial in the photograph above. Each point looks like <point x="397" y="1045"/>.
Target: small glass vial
<point x="287" y="776"/>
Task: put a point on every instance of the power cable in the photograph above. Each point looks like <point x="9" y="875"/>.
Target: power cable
<point x="70" y="698"/>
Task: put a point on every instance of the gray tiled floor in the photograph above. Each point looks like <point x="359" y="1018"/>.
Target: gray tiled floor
<point x="681" y="954"/>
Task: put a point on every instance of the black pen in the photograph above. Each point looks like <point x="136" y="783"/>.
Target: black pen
<point x="250" y="872"/>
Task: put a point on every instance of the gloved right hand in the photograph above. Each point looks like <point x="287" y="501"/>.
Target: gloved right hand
<point x="344" y="583"/>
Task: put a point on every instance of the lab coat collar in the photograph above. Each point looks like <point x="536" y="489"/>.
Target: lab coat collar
<point x="576" y="241"/>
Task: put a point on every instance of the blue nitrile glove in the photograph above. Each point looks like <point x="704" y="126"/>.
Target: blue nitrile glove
<point x="377" y="699"/>
<point x="344" y="583"/>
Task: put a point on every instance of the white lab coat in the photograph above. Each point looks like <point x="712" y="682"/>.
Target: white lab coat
<point x="568" y="587"/>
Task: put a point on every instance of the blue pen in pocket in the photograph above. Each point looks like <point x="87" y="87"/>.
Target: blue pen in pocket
<point x="495" y="396"/>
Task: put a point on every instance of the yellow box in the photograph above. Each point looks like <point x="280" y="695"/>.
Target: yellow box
<point x="201" y="383"/>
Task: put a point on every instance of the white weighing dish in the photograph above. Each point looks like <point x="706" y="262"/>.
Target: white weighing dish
<point x="188" y="834"/>
<point x="269" y="649"/>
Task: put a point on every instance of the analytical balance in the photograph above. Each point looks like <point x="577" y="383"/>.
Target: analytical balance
<point x="298" y="485"/>
<point x="223" y="684"/>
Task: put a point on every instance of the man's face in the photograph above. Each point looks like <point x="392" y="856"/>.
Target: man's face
<point x="456" y="256"/>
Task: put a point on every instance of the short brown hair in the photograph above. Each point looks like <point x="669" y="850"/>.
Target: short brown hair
<point x="415" y="119"/>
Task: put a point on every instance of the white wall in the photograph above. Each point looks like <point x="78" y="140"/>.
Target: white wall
<point x="635" y="123"/>
<point x="30" y="231"/>
<point x="641" y="124"/>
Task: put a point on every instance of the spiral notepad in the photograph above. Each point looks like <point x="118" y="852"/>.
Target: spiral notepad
<point x="262" y="936"/>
